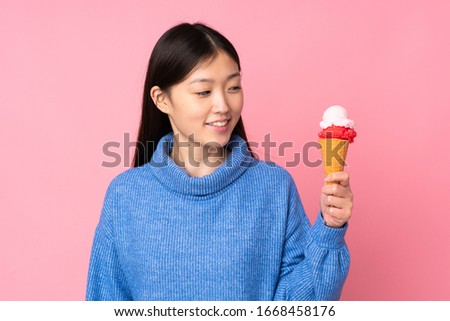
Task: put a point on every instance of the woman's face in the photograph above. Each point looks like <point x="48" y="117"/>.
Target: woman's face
<point x="206" y="106"/>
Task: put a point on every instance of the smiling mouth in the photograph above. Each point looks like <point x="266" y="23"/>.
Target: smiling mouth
<point x="218" y="123"/>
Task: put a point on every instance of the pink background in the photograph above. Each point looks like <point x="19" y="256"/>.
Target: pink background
<point x="71" y="79"/>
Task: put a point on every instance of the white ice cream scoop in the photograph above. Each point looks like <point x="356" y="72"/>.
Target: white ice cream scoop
<point x="337" y="116"/>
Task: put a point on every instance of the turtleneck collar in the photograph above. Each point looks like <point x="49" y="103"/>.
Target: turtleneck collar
<point x="178" y="180"/>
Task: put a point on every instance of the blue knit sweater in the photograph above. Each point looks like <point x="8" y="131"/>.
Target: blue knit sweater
<point x="239" y="233"/>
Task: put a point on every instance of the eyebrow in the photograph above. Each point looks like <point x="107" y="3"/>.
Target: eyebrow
<point x="234" y="75"/>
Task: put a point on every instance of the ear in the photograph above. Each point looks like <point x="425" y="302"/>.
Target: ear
<point x="160" y="99"/>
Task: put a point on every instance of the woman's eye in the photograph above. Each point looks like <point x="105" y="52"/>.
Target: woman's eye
<point x="203" y="93"/>
<point x="235" y="88"/>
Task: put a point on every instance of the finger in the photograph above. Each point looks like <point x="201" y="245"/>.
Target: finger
<point x="338" y="214"/>
<point x="341" y="178"/>
<point x="338" y="202"/>
<point x="336" y="190"/>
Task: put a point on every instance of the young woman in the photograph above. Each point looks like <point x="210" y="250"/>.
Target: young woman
<point x="198" y="217"/>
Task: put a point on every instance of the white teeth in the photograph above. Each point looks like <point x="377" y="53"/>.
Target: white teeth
<point x="219" y="123"/>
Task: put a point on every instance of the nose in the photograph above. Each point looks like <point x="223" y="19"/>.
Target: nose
<point x="220" y="102"/>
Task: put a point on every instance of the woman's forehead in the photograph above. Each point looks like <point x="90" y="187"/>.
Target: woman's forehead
<point x="219" y="66"/>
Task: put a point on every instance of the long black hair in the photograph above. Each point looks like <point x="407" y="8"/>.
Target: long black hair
<point x="176" y="54"/>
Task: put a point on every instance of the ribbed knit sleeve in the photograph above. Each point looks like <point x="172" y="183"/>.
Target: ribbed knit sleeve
<point x="315" y="259"/>
<point x="106" y="280"/>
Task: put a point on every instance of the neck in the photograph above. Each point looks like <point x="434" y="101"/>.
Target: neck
<point x="196" y="160"/>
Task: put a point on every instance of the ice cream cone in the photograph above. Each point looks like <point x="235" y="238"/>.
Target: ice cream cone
<point x="334" y="152"/>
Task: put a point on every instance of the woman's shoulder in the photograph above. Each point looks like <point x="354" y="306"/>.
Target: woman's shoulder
<point x="130" y="179"/>
<point x="270" y="171"/>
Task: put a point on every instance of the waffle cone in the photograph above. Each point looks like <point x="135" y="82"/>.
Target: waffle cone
<point x="334" y="152"/>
